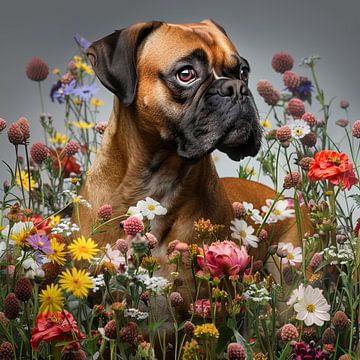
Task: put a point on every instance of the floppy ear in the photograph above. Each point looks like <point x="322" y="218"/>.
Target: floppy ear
<point x="114" y="59"/>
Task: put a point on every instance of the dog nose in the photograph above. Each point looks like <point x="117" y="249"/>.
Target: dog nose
<point x="236" y="89"/>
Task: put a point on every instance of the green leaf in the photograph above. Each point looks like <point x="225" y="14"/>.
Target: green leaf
<point x="225" y="335"/>
<point x="232" y="325"/>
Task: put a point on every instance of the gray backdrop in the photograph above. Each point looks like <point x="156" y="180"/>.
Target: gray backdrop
<point x="259" y="28"/>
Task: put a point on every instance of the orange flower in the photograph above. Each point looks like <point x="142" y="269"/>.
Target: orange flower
<point x="334" y="167"/>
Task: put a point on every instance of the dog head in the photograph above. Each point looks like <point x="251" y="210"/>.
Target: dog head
<point x="187" y="83"/>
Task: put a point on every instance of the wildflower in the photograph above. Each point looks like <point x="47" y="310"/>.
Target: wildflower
<point x="98" y="282"/>
<point x="23" y="289"/>
<point x="23" y="179"/>
<point x="176" y="299"/>
<point x="304" y="90"/>
<point x="313" y="307"/>
<point x="296" y="108"/>
<point x="202" y="308"/>
<point x="344" y="104"/>
<point x="122" y="245"/>
<point x="297" y="295"/>
<point x="207" y="331"/>
<point x="83" y="248"/>
<point x="60" y="139"/>
<point x="155" y="284"/>
<point x="136" y="314"/>
<point x="78" y="282"/>
<point x="223" y="258"/>
<point x="289" y="332"/>
<point x="129" y="332"/>
<point x="316" y="261"/>
<point x="82" y="66"/>
<point x="257" y="293"/>
<point x="293" y="179"/>
<point x="328" y="336"/>
<point x="15" y="135"/>
<point x="6" y="351"/>
<point x="309" y="139"/>
<point x="342" y="122"/>
<point x="86" y="92"/>
<point x="21" y="231"/>
<point x="56" y="71"/>
<point x="104" y="213"/>
<point x="284" y="133"/>
<point x="309" y="61"/>
<point x="96" y="102"/>
<point x="244" y="232"/>
<point x="239" y="209"/>
<point x="37" y="69"/>
<point x="2" y="124"/>
<point x="81" y="41"/>
<point x="340" y="320"/>
<point x="356" y="129"/>
<point x="151" y="240"/>
<point x="279" y="211"/>
<point x="71" y="148"/>
<point x="51" y="299"/>
<point x="282" y="61"/>
<point x="62" y="91"/>
<point x="113" y="256"/>
<point x="309" y="118"/>
<point x="265" y="89"/>
<point x="54" y="220"/>
<point x="305" y="163"/>
<point x="84" y="125"/>
<point x="133" y="225"/>
<point x="59" y="253"/>
<point x="236" y="351"/>
<point x="11" y="306"/>
<point x="40" y="242"/>
<point x="299" y="128"/>
<point x="39" y="153"/>
<point x="24" y="127"/>
<point x="149" y="208"/>
<point x="110" y="330"/>
<point x="65" y="228"/>
<point x="191" y="350"/>
<point x="101" y="127"/>
<point x="265" y="123"/>
<point x="60" y="326"/>
<point x="293" y="254"/>
<point x="291" y="79"/>
<point x="334" y="167"/>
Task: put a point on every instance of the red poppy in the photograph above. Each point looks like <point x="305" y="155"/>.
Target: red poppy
<point x="58" y="327"/>
<point x="68" y="163"/>
<point x="334" y="167"/>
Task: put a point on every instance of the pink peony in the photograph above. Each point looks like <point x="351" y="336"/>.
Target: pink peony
<point x="223" y="258"/>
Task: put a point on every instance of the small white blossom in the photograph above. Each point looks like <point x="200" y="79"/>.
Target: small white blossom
<point x="279" y="211"/>
<point x="294" y="255"/>
<point x="342" y="254"/>
<point x="32" y="261"/>
<point x="296" y="295"/>
<point x="253" y="213"/>
<point x="98" y="282"/>
<point x="156" y="284"/>
<point x="17" y="228"/>
<point x="244" y="233"/>
<point x="2" y="248"/>
<point x="299" y="128"/>
<point x="148" y="208"/>
<point x="257" y="293"/>
<point x="76" y="198"/>
<point x="113" y="256"/>
<point x="136" y="314"/>
<point x="65" y="228"/>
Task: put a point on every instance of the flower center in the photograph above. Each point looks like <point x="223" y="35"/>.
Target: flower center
<point x="84" y="249"/>
<point x="242" y="233"/>
<point x="277" y="212"/>
<point x="41" y="243"/>
<point x="151" y="207"/>
<point x="298" y="131"/>
<point x="310" y="308"/>
<point x="290" y="256"/>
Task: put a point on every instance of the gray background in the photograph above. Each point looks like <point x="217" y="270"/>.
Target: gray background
<point x="258" y="28"/>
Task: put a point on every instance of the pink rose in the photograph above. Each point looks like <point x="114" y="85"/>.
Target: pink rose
<point x="223" y="258"/>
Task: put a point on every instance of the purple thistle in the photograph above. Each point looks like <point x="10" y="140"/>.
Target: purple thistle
<point x="81" y="41"/>
<point x="40" y="242"/>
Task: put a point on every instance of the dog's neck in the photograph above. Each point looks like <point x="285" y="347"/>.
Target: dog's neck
<point x="130" y="168"/>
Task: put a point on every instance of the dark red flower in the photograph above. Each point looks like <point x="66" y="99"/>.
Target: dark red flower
<point x="60" y="326"/>
<point x="68" y="163"/>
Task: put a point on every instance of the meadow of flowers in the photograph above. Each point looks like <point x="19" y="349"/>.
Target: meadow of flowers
<point x="63" y="296"/>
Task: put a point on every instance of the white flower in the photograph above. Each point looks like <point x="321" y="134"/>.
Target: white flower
<point x="2" y="248"/>
<point x="149" y="208"/>
<point x="313" y="307"/>
<point x="136" y="314"/>
<point x="32" y="261"/>
<point x="342" y="254"/>
<point x="299" y="128"/>
<point x="156" y="284"/>
<point x="253" y="213"/>
<point x="257" y="293"/>
<point x="280" y="210"/>
<point x="134" y="211"/>
<point x="98" y="282"/>
<point x="17" y="228"/>
<point x="113" y="256"/>
<point x="65" y="228"/>
<point x="294" y="255"/>
<point x="76" y="198"/>
<point x="297" y="295"/>
<point x="243" y="232"/>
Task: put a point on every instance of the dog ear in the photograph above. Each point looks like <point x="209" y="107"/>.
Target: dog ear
<point x="213" y="22"/>
<point x="114" y="59"/>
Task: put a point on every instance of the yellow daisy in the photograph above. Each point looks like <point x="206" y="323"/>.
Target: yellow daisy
<point x="55" y="220"/>
<point x="96" y="102"/>
<point x="83" y="248"/>
<point x="83" y="124"/>
<point x="265" y="123"/>
<point x="59" y="139"/>
<point x="51" y="299"/>
<point x="78" y="282"/>
<point x="58" y="256"/>
<point x="25" y="180"/>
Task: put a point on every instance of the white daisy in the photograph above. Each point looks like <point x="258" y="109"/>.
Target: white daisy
<point x="299" y="128"/>
<point x="253" y="213"/>
<point x="134" y="211"/>
<point x="297" y="295"/>
<point x="17" y="228"/>
<point x="294" y="255"/>
<point x="313" y="308"/>
<point x="2" y="248"/>
<point x="244" y="233"/>
<point x="280" y="210"/>
<point x="150" y="207"/>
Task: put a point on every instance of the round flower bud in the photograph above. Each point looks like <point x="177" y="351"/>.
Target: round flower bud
<point x="340" y="321"/>
<point x="133" y="225"/>
<point x="345" y="357"/>
<point x="39" y="152"/>
<point x="23" y="289"/>
<point x="101" y="127"/>
<point x="309" y="333"/>
<point x="239" y="209"/>
<point x="110" y="329"/>
<point x="342" y="122"/>
<point x="176" y="299"/>
<point x="258" y="265"/>
<point x="316" y="261"/>
<point x="71" y="148"/>
<point x="236" y="351"/>
<point x="344" y="104"/>
<point x="129" y="333"/>
<point x="263" y="235"/>
<point x="309" y="139"/>
<point x="292" y="180"/>
<point x="309" y="118"/>
<point x="2" y="124"/>
<point x="283" y="133"/>
<point x="264" y="88"/>
<point x="328" y="336"/>
<point x="356" y="129"/>
<point x="273" y="98"/>
<point x="281" y="252"/>
<point x="282" y="61"/>
<point x="151" y="239"/>
<point x="305" y="163"/>
<point x="6" y="351"/>
<point x="272" y="249"/>
<point x="105" y="212"/>
<point x="296" y="108"/>
<point x="15" y="134"/>
<point x="122" y="245"/>
<point x="37" y="69"/>
<point x="189" y="328"/>
<point x="24" y="127"/>
<point x="11" y="306"/>
<point x="291" y="79"/>
<point x="289" y="332"/>
<point x="67" y="78"/>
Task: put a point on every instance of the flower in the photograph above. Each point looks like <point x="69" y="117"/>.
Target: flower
<point x="20" y="232"/>
<point x="265" y="123"/>
<point x="297" y="295"/>
<point x="309" y="118"/>
<point x="39" y="152"/>
<point x="61" y="91"/>
<point x="294" y="254"/>
<point x="236" y="351"/>
<point x="23" y="289"/>
<point x="51" y="299"/>
<point x="83" y="248"/>
<point x="202" y="308"/>
<point x="40" y="242"/>
<point x="299" y="128"/>
<point x="279" y="211"/>
<point x="356" y="129"/>
<point x="284" y="133"/>
<point x="293" y="179"/>
<point x="86" y="92"/>
<point x="101" y="127"/>
<point x="313" y="307"/>
<point x="57" y="327"/>
<point x="206" y="331"/>
<point x="6" y="351"/>
<point x="24" y="127"/>
<point x="15" y="134"/>
<point x="96" y="102"/>
<point x="59" y="253"/>
<point x="71" y="148"/>
<point x="334" y="167"/>
<point x="265" y="89"/>
<point x="2" y="124"/>
<point x="223" y="258"/>
<point x="304" y="90"/>
<point x="129" y="332"/>
<point x="84" y="125"/>
<point x="342" y="122"/>
<point x="149" y="208"/>
<point x="309" y="139"/>
<point x="37" y="69"/>
<point x="11" y="306"/>
<point x="291" y="79"/>
<point x="289" y="332"/>
<point x="133" y="225"/>
<point x="59" y="139"/>
<point x="282" y="61"/>
<point x="81" y="41"/>
<point x="113" y="256"/>
<point x="296" y="108"/>
<point x="23" y="178"/>
<point x="105" y="211"/>
<point x="68" y="163"/>
<point x="76" y="281"/>
<point x="244" y="232"/>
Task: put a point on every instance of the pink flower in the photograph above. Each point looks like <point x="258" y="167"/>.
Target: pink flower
<point x="202" y="308"/>
<point x="223" y="258"/>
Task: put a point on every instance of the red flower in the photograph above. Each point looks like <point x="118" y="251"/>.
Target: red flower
<point x="42" y="226"/>
<point x="68" y="163"/>
<point x="334" y="167"/>
<point x="60" y="326"/>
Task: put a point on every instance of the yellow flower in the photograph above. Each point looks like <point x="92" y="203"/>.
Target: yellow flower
<point x="77" y="100"/>
<point x="265" y="123"/>
<point x="82" y="248"/>
<point x="96" y="102"/>
<point x="56" y="71"/>
<point x="250" y="171"/>
<point x="78" y="282"/>
<point x="55" y="220"/>
<point x="206" y="331"/>
<point x="59" y="139"/>
<point x="83" y="124"/>
<point x="21" y="237"/>
<point x="58" y="256"/>
<point x="83" y="66"/>
<point x="51" y="299"/>
<point x="77" y="58"/>
<point x="25" y="180"/>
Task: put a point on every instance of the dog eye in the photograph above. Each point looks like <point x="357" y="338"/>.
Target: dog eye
<point x="186" y="75"/>
<point x="244" y="74"/>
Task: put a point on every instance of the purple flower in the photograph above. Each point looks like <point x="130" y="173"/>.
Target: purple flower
<point x="81" y="41"/>
<point x="59" y="91"/>
<point x="86" y="92"/>
<point x="304" y="90"/>
<point x="40" y="242"/>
